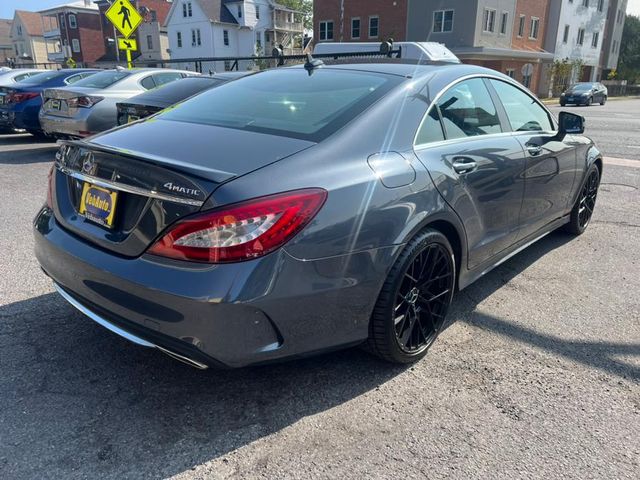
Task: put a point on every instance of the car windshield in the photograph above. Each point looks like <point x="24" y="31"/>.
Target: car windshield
<point x="582" y="86"/>
<point x="102" y="79"/>
<point x="287" y="102"/>
<point x="41" y="77"/>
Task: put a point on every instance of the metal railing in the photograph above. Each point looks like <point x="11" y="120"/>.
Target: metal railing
<point x="217" y="64"/>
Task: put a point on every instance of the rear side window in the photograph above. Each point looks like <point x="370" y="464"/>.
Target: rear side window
<point x="288" y="102"/>
<point x="24" y="76"/>
<point x="524" y="113"/>
<point x="431" y="129"/>
<point x="42" y="77"/>
<point x="102" y="79"/>
<point x="163" y="78"/>
<point x="148" y="83"/>
<point x="468" y="111"/>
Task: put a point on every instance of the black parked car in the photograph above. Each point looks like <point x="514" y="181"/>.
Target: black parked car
<point x="585" y="93"/>
<point x="153" y="101"/>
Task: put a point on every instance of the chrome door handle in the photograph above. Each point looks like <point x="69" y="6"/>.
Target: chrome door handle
<point x="534" y="150"/>
<point x="464" y="165"/>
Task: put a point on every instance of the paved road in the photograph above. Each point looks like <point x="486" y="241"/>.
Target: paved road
<point x="539" y="376"/>
<point x="615" y="127"/>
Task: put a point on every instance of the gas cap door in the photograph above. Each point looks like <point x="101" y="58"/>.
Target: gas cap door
<point x="392" y="169"/>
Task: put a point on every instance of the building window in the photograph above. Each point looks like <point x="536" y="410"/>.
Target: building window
<point x="580" y="36"/>
<point x="195" y="37"/>
<point x="73" y="23"/>
<point x="511" y="72"/>
<point x="227" y="65"/>
<point x="326" y="30"/>
<point x="75" y="44"/>
<point x="504" y="20"/>
<point x="258" y="41"/>
<point x="19" y="29"/>
<point x="179" y="39"/>
<point x="620" y="16"/>
<point x="257" y="12"/>
<point x="373" y="26"/>
<point x="154" y="16"/>
<point x="535" y="27"/>
<point x="355" y="28"/>
<point x="62" y="25"/>
<point x="239" y="11"/>
<point x="489" y="20"/>
<point x="594" y="39"/>
<point x="442" y="21"/>
<point x="225" y="37"/>
<point x="521" y="25"/>
<point x="565" y="37"/>
<point x="585" y="3"/>
<point x="186" y="10"/>
<point x="600" y="5"/>
<point x="613" y="47"/>
<point x="149" y="42"/>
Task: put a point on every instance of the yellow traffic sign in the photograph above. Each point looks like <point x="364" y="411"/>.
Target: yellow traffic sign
<point x="124" y="17"/>
<point x="128" y="44"/>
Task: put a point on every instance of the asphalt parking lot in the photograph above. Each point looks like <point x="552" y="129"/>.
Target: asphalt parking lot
<point x="538" y="376"/>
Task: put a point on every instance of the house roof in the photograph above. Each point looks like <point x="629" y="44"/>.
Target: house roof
<point x="77" y="5"/>
<point x="5" y="31"/>
<point x="31" y="21"/>
<point x="217" y="11"/>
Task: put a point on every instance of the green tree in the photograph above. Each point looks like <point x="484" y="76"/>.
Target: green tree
<point x="304" y="6"/>
<point x="629" y="63"/>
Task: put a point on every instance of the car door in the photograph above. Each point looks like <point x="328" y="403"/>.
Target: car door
<point x="551" y="162"/>
<point x="478" y="167"/>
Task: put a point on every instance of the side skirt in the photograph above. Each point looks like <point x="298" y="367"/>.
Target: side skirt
<point x="469" y="276"/>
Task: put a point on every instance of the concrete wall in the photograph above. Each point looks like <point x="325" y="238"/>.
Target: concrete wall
<point x="613" y="34"/>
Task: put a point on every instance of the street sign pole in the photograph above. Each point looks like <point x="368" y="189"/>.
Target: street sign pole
<point x="129" y="63"/>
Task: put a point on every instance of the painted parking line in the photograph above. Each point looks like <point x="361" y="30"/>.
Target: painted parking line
<point x="622" y="162"/>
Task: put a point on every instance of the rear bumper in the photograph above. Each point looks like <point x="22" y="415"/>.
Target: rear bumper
<point x="237" y="314"/>
<point x="70" y="126"/>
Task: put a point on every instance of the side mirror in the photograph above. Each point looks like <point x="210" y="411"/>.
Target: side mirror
<point x="570" y="123"/>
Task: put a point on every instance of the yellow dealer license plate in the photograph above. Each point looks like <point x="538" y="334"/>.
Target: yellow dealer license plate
<point x="98" y="204"/>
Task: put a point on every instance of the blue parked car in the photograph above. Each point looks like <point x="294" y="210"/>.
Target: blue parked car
<point x="20" y="103"/>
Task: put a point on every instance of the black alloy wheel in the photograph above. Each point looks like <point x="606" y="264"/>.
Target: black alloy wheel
<point x="412" y="307"/>
<point x="585" y="205"/>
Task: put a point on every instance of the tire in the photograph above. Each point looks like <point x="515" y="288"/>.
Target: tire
<point x="406" y="337"/>
<point x="604" y="100"/>
<point x="563" y="104"/>
<point x="583" y="209"/>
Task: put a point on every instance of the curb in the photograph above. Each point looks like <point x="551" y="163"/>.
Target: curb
<point x="555" y="101"/>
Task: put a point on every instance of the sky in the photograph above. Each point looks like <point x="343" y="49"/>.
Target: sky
<point x="8" y="6"/>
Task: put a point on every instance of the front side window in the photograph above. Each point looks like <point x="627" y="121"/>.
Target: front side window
<point x="103" y="79"/>
<point x="373" y="27"/>
<point x="287" y="102"/>
<point x="442" y="21"/>
<point x="468" y="111"/>
<point x="355" y="28"/>
<point x="326" y="30"/>
<point x="524" y="113"/>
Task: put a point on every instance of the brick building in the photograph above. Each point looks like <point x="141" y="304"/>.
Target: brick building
<point x="360" y="20"/>
<point x="73" y="31"/>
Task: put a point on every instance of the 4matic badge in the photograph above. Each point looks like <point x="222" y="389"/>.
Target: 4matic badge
<point x="180" y="189"/>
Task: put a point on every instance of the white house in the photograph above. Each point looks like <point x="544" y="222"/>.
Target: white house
<point x="230" y="28"/>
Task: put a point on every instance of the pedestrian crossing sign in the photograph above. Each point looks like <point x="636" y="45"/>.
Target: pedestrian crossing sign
<point x="124" y="17"/>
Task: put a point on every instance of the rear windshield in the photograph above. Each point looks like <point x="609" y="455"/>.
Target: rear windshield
<point x="42" y="77"/>
<point x="287" y="102"/>
<point x="102" y="79"/>
<point x="173" y="92"/>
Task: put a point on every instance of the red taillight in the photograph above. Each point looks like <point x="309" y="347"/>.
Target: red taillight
<point x="242" y="231"/>
<point x="84" y="101"/>
<point x="50" y="187"/>
<point x="17" y="97"/>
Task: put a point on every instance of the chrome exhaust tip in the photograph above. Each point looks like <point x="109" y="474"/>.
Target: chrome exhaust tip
<point x="181" y="358"/>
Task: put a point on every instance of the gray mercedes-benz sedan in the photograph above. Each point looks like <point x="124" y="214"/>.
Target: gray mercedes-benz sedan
<point x="301" y="210"/>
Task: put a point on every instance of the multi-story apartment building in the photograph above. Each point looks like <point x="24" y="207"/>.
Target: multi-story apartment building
<point x="230" y="28"/>
<point x="73" y="31"/>
<point x="616" y="15"/>
<point x="6" y="48"/>
<point x="506" y="35"/>
<point x="574" y="33"/>
<point x="27" y="39"/>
